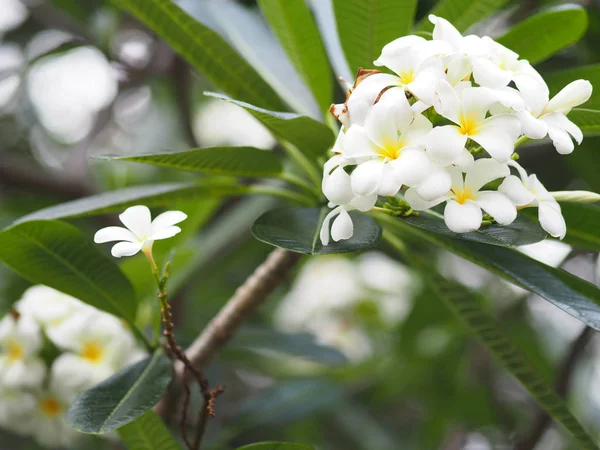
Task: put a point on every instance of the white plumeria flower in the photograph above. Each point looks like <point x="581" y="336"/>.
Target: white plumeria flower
<point x="20" y="342"/>
<point x="466" y="201"/>
<point x="527" y="191"/>
<point x="550" y="116"/>
<point x="16" y="408"/>
<point x="342" y="227"/>
<point x="467" y="107"/>
<point x="389" y="150"/>
<point x="141" y="231"/>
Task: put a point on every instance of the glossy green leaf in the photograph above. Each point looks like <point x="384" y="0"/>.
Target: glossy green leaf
<point x="522" y="231"/>
<point x="365" y="26"/>
<point x="237" y="161"/>
<point x="558" y="80"/>
<point x="554" y="29"/>
<point x="148" y="432"/>
<point x="468" y="308"/>
<point x="573" y="295"/>
<point x="310" y="136"/>
<point x="123" y="397"/>
<point x="292" y="22"/>
<point x="60" y="256"/>
<point x="297" y="230"/>
<point x="586" y="119"/>
<point x="583" y="230"/>
<point x="461" y="13"/>
<point x="204" y="49"/>
<point x="276" y="446"/>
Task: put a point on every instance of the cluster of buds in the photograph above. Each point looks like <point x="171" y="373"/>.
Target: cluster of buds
<point x="443" y="126"/>
<point x="53" y="347"/>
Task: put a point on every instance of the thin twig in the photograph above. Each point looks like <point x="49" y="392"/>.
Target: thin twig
<point x="542" y="419"/>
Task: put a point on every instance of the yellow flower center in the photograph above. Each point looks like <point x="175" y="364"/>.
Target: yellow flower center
<point x="468" y="125"/>
<point x="50" y="406"/>
<point x="462" y="195"/>
<point x="93" y="352"/>
<point x="391" y="149"/>
<point x="14" y="351"/>
<point x="407" y="77"/>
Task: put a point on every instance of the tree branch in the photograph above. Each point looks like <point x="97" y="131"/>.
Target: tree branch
<point x="542" y="419"/>
<point x="219" y="331"/>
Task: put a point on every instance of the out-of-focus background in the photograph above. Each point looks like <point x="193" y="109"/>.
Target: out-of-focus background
<point x="353" y="352"/>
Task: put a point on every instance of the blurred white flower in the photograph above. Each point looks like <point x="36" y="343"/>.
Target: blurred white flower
<point x="13" y="14"/>
<point x="20" y="342"/>
<point x="11" y="61"/>
<point x="16" y="408"/>
<point x="141" y="231"/>
<point x="548" y="251"/>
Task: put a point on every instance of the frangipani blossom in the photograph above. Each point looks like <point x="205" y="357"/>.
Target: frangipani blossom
<point x="20" y="342"/>
<point x="342" y="227"/>
<point x="16" y="407"/>
<point x="527" y="191"/>
<point x="467" y="107"/>
<point x="465" y="202"/>
<point x="140" y="232"/>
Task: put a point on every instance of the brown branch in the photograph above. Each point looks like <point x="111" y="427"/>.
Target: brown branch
<point x="245" y="301"/>
<point x="542" y="419"/>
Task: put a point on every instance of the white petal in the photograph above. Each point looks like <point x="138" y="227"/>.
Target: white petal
<point x="388" y="184"/>
<point x="498" y="206"/>
<point x="445" y="31"/>
<point x="364" y="203"/>
<point x="488" y="74"/>
<point x="366" y="177"/>
<point x="417" y="203"/>
<point x="380" y="123"/>
<point x="137" y="219"/>
<point x="449" y="101"/>
<point x="465" y="160"/>
<point x="357" y="144"/>
<point x="110" y="234"/>
<point x="336" y="187"/>
<point x="533" y="88"/>
<point x="392" y="51"/>
<point x="476" y="102"/>
<point x="514" y="189"/>
<point x="532" y="128"/>
<point x="498" y="136"/>
<point x="165" y="233"/>
<point x="445" y="144"/>
<point x="423" y="85"/>
<point x="167" y="219"/>
<point x="126" y="249"/>
<point x="561" y="139"/>
<point x="411" y="167"/>
<point x="363" y="96"/>
<point x="483" y="171"/>
<point x="559" y="120"/>
<point x="462" y="218"/>
<point x="551" y="219"/>
<point x="572" y="95"/>
<point x="342" y="227"/>
<point x="459" y="68"/>
<point x="324" y="234"/>
<point x="436" y="185"/>
<point x="416" y="134"/>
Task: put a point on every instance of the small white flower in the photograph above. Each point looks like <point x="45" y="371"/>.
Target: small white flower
<point x="20" y="341"/>
<point x="525" y="191"/>
<point x="465" y="201"/>
<point x="342" y="227"/>
<point x="141" y="231"/>
<point x="15" y="410"/>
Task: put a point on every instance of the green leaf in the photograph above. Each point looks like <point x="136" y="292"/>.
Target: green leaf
<point x="522" y="231"/>
<point x="554" y="29"/>
<point x="297" y="230"/>
<point x="292" y="22"/>
<point x="204" y="49"/>
<point x="310" y="136"/>
<point x="558" y="80"/>
<point x="461" y="13"/>
<point x="365" y="26"/>
<point x="586" y="119"/>
<point x="236" y="161"/>
<point x="123" y="397"/>
<point x="573" y="295"/>
<point x="582" y="225"/>
<point x="585" y="161"/>
<point x="148" y="432"/>
<point x="467" y="306"/>
<point x="60" y="256"/>
<point x="276" y="446"/>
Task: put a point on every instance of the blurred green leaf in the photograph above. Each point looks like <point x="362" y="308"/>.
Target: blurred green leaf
<point x="123" y="397"/>
<point x="582" y="225"/>
<point x="310" y="136"/>
<point x="554" y="29"/>
<point x="585" y="161"/>
<point x="148" y="432"/>
<point x="236" y="161"/>
<point x="365" y="26"/>
<point x="558" y="80"/>
<point x="461" y="13"/>
<point x="573" y="295"/>
<point x="297" y="230"/>
<point x="58" y="255"/>
<point x="522" y="231"/>
<point x="586" y="119"/>
<point x="276" y="446"/>
<point x="292" y="22"/>
<point x="208" y="52"/>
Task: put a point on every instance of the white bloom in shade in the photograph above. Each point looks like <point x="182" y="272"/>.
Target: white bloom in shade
<point x="467" y="107"/>
<point x="20" y="341"/>
<point x="15" y="410"/>
<point x="525" y="191"/>
<point x="141" y="231"/>
<point x="548" y="251"/>
<point x="465" y="201"/>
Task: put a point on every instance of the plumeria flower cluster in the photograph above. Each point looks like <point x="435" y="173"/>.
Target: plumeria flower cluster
<point x="53" y="347"/>
<point x="441" y="126"/>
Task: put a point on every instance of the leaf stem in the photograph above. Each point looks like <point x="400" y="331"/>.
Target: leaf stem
<point x="292" y="196"/>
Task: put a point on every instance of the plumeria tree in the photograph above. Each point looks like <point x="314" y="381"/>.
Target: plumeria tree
<point x="424" y="145"/>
